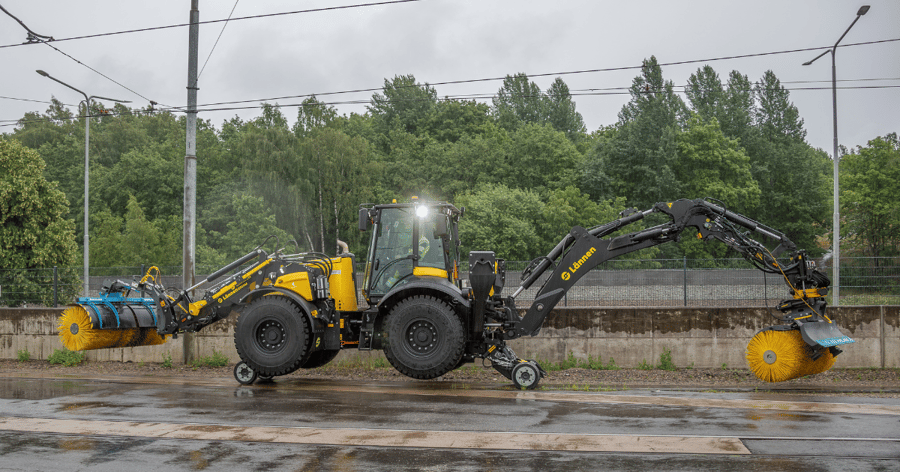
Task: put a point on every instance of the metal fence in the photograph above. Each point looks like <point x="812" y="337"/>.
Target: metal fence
<point x="627" y="282"/>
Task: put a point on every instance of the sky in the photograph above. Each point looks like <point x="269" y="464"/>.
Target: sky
<point x="452" y="40"/>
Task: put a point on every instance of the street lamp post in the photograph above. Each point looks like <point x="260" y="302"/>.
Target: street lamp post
<point x="87" y="138"/>
<point x="836" y="245"/>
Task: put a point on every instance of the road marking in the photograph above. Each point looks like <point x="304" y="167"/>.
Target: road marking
<point x="384" y="437"/>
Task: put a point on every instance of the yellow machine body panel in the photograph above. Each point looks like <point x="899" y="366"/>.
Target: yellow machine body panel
<point x="297" y="282"/>
<point x="430" y="271"/>
<point x="342" y="284"/>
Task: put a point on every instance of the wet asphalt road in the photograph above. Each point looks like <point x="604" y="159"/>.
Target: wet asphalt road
<point x="176" y="424"/>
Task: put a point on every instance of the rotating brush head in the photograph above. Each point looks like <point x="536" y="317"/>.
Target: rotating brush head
<point x="777" y="356"/>
<point x="76" y="332"/>
<point x="822" y="364"/>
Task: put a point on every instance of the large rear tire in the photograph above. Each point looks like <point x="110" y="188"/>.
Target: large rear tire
<point x="424" y="337"/>
<point x="273" y="336"/>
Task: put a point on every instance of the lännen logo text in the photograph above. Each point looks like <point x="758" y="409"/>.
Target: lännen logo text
<point x="577" y="264"/>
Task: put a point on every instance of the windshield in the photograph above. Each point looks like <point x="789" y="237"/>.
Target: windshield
<point x="397" y="242"/>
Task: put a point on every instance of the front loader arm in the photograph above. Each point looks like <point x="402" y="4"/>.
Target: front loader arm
<point x="581" y="250"/>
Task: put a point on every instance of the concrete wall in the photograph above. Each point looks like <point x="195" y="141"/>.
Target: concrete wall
<point x="706" y="337"/>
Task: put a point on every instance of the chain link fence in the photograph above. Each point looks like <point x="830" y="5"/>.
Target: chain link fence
<point x="627" y="282"/>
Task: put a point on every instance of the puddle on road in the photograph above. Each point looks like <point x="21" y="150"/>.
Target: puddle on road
<point x="42" y="389"/>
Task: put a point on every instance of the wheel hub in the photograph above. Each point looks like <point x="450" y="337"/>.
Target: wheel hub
<point x="422" y="337"/>
<point x="770" y="357"/>
<point x="271" y="335"/>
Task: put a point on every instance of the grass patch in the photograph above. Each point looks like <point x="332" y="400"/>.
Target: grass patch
<point x="217" y="359"/>
<point x="644" y="365"/>
<point x="572" y="362"/>
<point x="360" y="362"/>
<point x="167" y="361"/>
<point x="66" y="357"/>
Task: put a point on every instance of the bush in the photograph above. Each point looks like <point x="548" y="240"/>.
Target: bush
<point x="167" y="361"/>
<point x="23" y="355"/>
<point x="644" y="365"/>
<point x="665" y="361"/>
<point x="66" y="357"/>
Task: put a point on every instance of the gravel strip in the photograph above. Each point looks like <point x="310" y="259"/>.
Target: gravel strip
<point x="880" y="382"/>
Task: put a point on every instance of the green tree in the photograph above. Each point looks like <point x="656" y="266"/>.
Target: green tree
<point x="777" y="115"/>
<point x="540" y="157"/>
<point x="519" y="101"/>
<point x="705" y="94"/>
<point x="34" y="231"/>
<point x="251" y="223"/>
<point x="635" y="161"/>
<point x="740" y="109"/>
<point x="712" y="165"/>
<point x="106" y="239"/>
<point x="313" y="115"/>
<point x="793" y="177"/>
<point x="451" y="120"/>
<point x="339" y="167"/>
<point x="870" y="181"/>
<point x="504" y="220"/>
<point x="149" y="242"/>
<point x="561" y="112"/>
<point x="404" y="105"/>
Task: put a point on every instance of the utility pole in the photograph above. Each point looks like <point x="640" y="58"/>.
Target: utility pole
<point x="190" y="168"/>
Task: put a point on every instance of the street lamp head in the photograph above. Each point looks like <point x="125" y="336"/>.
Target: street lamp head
<point x="111" y="99"/>
<point x="817" y="57"/>
<point x="42" y="73"/>
<point x="862" y="10"/>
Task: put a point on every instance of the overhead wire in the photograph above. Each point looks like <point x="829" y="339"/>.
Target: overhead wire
<point x="38" y="38"/>
<point x="486" y="96"/>
<point x="341" y="7"/>
<point x="218" y="38"/>
<point x="208" y="22"/>
<point x="531" y="76"/>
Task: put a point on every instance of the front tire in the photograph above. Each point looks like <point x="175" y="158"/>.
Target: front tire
<point x="273" y="336"/>
<point x="425" y="338"/>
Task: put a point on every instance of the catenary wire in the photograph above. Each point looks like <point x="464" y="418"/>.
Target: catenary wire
<point x="366" y="101"/>
<point x="264" y="15"/>
<point x="217" y="39"/>
<point x="546" y="74"/>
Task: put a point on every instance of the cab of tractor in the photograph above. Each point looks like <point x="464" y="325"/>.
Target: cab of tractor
<point x="411" y="244"/>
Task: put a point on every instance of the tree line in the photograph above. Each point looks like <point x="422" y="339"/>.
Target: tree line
<point x="524" y="166"/>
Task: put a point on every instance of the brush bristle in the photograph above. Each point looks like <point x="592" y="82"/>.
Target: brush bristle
<point x="77" y="333"/>
<point x="786" y="351"/>
<point x="822" y="364"/>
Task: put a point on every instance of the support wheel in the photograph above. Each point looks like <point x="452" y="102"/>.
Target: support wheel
<point x="525" y="375"/>
<point x="244" y="374"/>
<point x="425" y="338"/>
<point x="273" y="336"/>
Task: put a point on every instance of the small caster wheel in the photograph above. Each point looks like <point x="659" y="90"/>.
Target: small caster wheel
<point x="526" y="375"/>
<point x="244" y="374"/>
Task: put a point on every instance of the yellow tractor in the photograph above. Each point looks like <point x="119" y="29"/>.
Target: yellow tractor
<point x="300" y="310"/>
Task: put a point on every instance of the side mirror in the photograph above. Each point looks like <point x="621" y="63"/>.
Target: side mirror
<point x="363" y="219"/>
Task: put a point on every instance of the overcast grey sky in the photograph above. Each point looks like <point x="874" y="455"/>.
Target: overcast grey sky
<point x="448" y="40"/>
